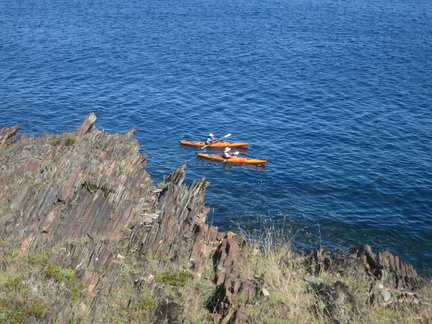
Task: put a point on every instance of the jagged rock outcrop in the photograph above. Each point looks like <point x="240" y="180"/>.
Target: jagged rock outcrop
<point x="120" y="249"/>
<point x="389" y="281"/>
<point x="86" y="195"/>
<point x="63" y="188"/>
<point x="8" y="135"/>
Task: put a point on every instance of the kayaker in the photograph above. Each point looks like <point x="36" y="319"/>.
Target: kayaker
<point x="210" y="139"/>
<point x="227" y="153"/>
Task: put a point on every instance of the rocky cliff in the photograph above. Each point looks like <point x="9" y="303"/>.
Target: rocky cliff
<point x="86" y="236"/>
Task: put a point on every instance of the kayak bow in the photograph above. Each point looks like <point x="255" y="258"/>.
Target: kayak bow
<point x="216" y="144"/>
<point x="233" y="159"/>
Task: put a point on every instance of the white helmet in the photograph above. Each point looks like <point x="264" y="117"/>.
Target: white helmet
<point x="227" y="149"/>
<point x="211" y="135"/>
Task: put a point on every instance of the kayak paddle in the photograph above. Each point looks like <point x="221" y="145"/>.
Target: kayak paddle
<point x="227" y="135"/>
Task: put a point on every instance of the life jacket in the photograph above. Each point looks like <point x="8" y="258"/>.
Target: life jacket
<point x="226" y="155"/>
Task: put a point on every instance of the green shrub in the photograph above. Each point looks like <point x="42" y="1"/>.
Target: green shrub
<point x="175" y="277"/>
<point x="68" y="276"/>
<point x="38" y="259"/>
<point x="14" y="310"/>
<point x="14" y="283"/>
<point x="69" y="141"/>
<point x="60" y="274"/>
<point x="147" y="302"/>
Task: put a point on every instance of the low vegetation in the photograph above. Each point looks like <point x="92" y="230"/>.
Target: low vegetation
<point x="30" y="287"/>
<point x="68" y="141"/>
<point x="146" y="290"/>
<point x="18" y="301"/>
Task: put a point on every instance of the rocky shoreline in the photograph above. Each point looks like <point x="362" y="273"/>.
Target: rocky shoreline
<point x="86" y="236"/>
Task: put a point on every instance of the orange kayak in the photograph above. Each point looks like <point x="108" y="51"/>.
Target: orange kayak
<point x="233" y="159"/>
<point x="217" y="144"/>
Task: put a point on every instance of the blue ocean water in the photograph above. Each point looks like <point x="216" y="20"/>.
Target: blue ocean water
<point x="336" y="94"/>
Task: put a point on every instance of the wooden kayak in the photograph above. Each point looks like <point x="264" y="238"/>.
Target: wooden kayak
<point x="217" y="144"/>
<point x="233" y="159"/>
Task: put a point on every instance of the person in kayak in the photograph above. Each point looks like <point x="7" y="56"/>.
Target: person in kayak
<point x="210" y="139"/>
<point x="227" y="153"/>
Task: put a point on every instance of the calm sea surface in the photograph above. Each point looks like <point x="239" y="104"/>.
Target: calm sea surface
<point x="336" y="94"/>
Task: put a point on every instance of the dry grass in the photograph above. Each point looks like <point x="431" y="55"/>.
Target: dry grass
<point x="293" y="300"/>
<point x="281" y="270"/>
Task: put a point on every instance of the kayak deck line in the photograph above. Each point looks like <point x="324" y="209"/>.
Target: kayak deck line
<point x="233" y="159"/>
<point x="216" y="144"/>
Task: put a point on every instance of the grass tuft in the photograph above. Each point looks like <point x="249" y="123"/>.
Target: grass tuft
<point x="69" y="141"/>
<point x="174" y="277"/>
